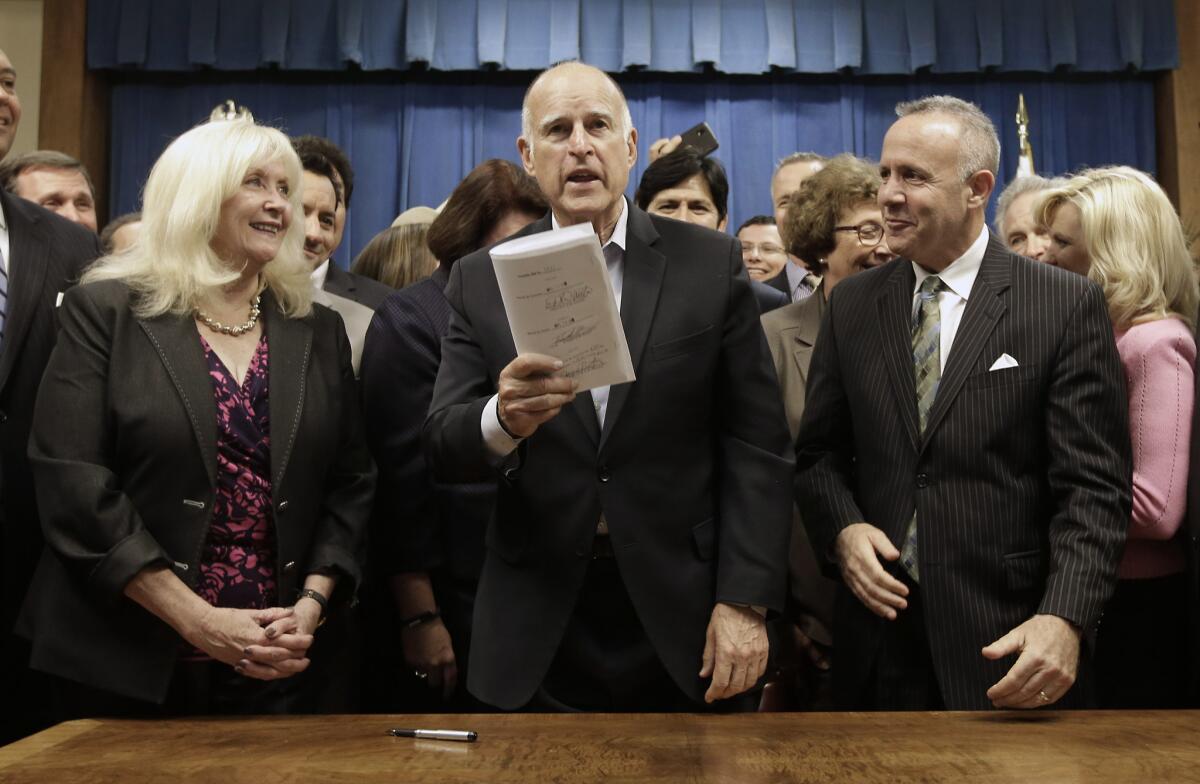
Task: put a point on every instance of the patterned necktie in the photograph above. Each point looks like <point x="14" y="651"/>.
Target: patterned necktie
<point x="3" y="296"/>
<point x="927" y="372"/>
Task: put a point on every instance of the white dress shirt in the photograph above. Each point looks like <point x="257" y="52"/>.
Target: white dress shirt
<point x="500" y="443"/>
<point x="959" y="278"/>
<point x="319" y="275"/>
<point x="4" y="246"/>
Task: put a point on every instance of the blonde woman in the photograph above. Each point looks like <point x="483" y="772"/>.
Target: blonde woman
<point x="398" y="256"/>
<point x="198" y="452"/>
<point x="1116" y="226"/>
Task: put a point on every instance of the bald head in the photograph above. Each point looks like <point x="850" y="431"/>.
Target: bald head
<point x="579" y="143"/>
<point x="567" y="71"/>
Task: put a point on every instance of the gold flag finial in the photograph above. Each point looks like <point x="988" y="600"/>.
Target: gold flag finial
<point x="1025" y="161"/>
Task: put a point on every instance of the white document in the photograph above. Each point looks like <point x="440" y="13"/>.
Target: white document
<point x="560" y="302"/>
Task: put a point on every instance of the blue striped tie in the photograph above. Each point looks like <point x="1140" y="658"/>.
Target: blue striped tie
<point x="927" y="372"/>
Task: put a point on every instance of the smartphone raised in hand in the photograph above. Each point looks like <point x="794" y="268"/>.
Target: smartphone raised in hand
<point x="700" y="138"/>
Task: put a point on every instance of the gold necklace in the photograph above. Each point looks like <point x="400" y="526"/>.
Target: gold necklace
<point x="237" y="329"/>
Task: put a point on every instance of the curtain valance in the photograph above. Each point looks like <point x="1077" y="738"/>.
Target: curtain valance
<point x="730" y="36"/>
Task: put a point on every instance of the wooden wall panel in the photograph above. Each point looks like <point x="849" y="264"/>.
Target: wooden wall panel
<point x="74" y="102"/>
<point x="1177" y="95"/>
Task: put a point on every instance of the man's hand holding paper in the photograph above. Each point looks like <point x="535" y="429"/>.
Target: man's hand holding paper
<point x="532" y="391"/>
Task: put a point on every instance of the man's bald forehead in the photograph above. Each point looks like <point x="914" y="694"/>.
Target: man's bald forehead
<point x="570" y="70"/>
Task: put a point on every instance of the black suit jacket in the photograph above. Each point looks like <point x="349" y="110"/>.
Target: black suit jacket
<point x="363" y="290"/>
<point x="768" y="298"/>
<point x="1191" y="538"/>
<point x="419" y="524"/>
<point x="781" y="283"/>
<point x="690" y="470"/>
<point x="124" y="457"/>
<point x="47" y="254"/>
<point x="1021" y="480"/>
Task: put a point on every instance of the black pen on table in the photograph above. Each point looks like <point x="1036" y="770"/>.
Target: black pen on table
<point x="464" y="736"/>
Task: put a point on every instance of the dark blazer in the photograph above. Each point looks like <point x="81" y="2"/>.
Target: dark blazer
<point x="358" y="288"/>
<point x="1021" y="480"/>
<point x="48" y="253"/>
<point x="690" y="469"/>
<point x="419" y="524"/>
<point x="780" y="282"/>
<point x="124" y="457"/>
<point x="768" y="299"/>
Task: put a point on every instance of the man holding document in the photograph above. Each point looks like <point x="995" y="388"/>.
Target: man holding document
<point x="642" y="519"/>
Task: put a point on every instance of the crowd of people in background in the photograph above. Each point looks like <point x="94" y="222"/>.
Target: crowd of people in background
<point x="878" y="455"/>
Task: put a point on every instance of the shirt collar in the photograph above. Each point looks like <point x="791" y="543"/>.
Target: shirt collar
<point x="3" y="219"/>
<point x="960" y="275"/>
<point x="320" y="274"/>
<point x="619" y="231"/>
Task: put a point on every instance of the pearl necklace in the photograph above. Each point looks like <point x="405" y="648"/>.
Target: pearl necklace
<point x="237" y="329"/>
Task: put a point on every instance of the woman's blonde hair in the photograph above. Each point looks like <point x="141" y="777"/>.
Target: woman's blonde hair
<point x="172" y="264"/>
<point x="1135" y="242"/>
<point x="397" y="256"/>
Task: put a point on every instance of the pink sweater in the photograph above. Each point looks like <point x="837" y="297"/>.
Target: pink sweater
<point x="1159" y="358"/>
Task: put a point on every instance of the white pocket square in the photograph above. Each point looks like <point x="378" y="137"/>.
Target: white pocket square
<point x="58" y="299"/>
<point x="1005" y="361"/>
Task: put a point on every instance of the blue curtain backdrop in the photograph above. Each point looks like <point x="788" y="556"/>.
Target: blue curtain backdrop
<point x="412" y="137"/>
<point x="731" y="36"/>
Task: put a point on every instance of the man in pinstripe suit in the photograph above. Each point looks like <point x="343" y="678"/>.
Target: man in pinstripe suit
<point x="963" y="459"/>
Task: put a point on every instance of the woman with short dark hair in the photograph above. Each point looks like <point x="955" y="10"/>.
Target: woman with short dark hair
<point x="428" y="536"/>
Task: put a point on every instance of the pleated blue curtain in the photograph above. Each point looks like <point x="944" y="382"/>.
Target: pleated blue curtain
<point x="412" y="141"/>
<point x="871" y="37"/>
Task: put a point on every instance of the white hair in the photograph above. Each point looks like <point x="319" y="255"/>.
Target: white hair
<point x="1027" y="183"/>
<point x="172" y="265"/>
<point x="980" y="147"/>
<point x="625" y="119"/>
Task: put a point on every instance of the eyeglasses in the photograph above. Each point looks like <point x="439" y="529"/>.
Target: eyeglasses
<point x="869" y="234"/>
<point x="764" y="248"/>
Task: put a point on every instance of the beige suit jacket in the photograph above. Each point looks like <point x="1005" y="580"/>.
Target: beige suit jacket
<point x="791" y="334"/>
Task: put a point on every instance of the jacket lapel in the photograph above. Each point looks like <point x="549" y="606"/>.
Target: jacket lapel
<point x="178" y="346"/>
<point x="30" y="249"/>
<point x="895" y="331"/>
<point x="984" y="309"/>
<point x="289" y="345"/>
<point x="804" y="334"/>
<point x="642" y="279"/>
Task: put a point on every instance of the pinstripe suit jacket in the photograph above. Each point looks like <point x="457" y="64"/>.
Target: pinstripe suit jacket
<point x="1021" y="481"/>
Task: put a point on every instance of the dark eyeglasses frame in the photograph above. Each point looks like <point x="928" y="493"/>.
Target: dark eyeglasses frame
<point x="866" y="242"/>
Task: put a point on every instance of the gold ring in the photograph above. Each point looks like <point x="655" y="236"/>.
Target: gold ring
<point x="1043" y="696"/>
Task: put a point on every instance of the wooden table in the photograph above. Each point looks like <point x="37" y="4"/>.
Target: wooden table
<point x="1143" y="746"/>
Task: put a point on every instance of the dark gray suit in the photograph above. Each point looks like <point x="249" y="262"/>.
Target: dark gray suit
<point x="1021" y="480"/>
<point x="690" y="469"/>
<point x="365" y="291"/>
